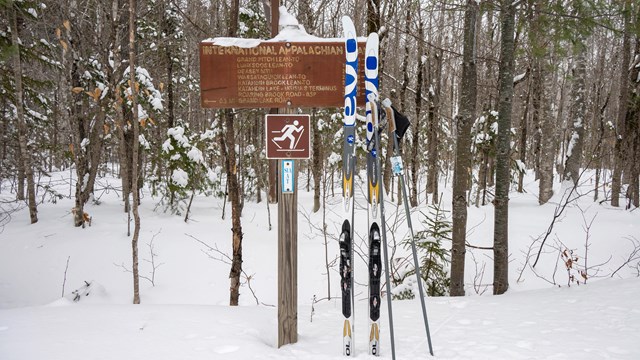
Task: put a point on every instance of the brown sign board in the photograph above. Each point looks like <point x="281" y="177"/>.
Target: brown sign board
<point x="287" y="136"/>
<point x="276" y="75"/>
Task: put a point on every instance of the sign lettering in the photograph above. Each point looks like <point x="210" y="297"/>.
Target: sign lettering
<point x="274" y="75"/>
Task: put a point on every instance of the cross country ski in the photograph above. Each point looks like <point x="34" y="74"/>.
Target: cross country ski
<point x="373" y="187"/>
<point x="348" y="170"/>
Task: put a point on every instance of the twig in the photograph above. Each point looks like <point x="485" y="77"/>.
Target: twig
<point x="151" y="279"/>
<point x="557" y="213"/>
<point x="226" y="259"/>
<point x="478" y="247"/>
<point x="587" y="229"/>
<point x="633" y="256"/>
<point x="152" y="261"/>
<point x="64" y="282"/>
<point x="526" y="261"/>
<point x="478" y="276"/>
<point x="313" y="309"/>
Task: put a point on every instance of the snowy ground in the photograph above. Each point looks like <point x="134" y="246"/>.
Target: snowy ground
<point x="184" y="316"/>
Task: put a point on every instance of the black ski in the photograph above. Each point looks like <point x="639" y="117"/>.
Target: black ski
<point x="345" y="285"/>
<point x="375" y="268"/>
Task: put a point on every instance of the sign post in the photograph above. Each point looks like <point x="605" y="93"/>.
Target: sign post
<point x="281" y="75"/>
<point x="287" y="138"/>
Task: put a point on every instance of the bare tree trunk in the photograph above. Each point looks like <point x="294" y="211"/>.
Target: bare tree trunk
<point x="122" y="128"/>
<point x="467" y="105"/>
<point x="229" y="154"/>
<point x="623" y="104"/>
<point x="257" y="161"/>
<point x="598" y="150"/>
<point x="433" y="130"/>
<point x="126" y="136"/>
<point x="503" y="158"/>
<point x="25" y="155"/>
<point x="415" y="145"/>
<point x="633" y="129"/>
<point x="76" y="120"/>
<point x="547" y="143"/>
<point x="87" y="141"/>
<point x="573" y="158"/>
<point x="317" y="163"/>
<point x="544" y="126"/>
<point x="170" y="90"/>
<point x="272" y="168"/>
<point x="482" y="177"/>
<point x="373" y="16"/>
<point x="21" y="177"/>
<point x="325" y="194"/>
<point x="522" y="146"/>
<point x="136" y="148"/>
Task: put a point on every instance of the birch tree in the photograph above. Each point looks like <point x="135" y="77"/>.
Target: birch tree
<point x="228" y="145"/>
<point x="136" y="149"/>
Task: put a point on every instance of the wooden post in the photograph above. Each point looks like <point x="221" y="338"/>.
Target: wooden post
<point x="272" y="198"/>
<point x="287" y="257"/>
<point x="287" y="236"/>
<point x="275" y="17"/>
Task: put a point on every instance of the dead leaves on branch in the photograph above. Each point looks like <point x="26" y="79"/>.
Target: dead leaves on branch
<point x="571" y="263"/>
<point x="65" y="45"/>
<point x="95" y="94"/>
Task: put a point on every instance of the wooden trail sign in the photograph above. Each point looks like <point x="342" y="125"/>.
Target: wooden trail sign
<point x="275" y="75"/>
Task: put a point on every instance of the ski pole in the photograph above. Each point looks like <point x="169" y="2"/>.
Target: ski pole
<point x="384" y="246"/>
<point x="396" y="152"/>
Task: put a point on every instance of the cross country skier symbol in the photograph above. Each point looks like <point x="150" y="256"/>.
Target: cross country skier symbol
<point x="292" y="133"/>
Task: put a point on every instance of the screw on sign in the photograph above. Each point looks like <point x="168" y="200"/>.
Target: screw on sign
<point x="287" y="136"/>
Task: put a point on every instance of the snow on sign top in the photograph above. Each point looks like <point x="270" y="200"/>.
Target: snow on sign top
<point x="290" y="30"/>
<point x="292" y="69"/>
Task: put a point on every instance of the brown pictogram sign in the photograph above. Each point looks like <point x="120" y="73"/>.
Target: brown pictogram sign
<point x="288" y="136"/>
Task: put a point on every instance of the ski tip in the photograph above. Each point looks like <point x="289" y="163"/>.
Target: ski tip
<point x="346" y="226"/>
<point x="348" y="27"/>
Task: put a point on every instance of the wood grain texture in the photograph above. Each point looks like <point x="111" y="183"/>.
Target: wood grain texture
<point x="288" y="264"/>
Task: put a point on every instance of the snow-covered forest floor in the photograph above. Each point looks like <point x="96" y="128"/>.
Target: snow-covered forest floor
<point x="184" y="312"/>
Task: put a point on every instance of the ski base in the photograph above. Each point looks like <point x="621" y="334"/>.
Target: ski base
<point x="375" y="268"/>
<point x="345" y="286"/>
